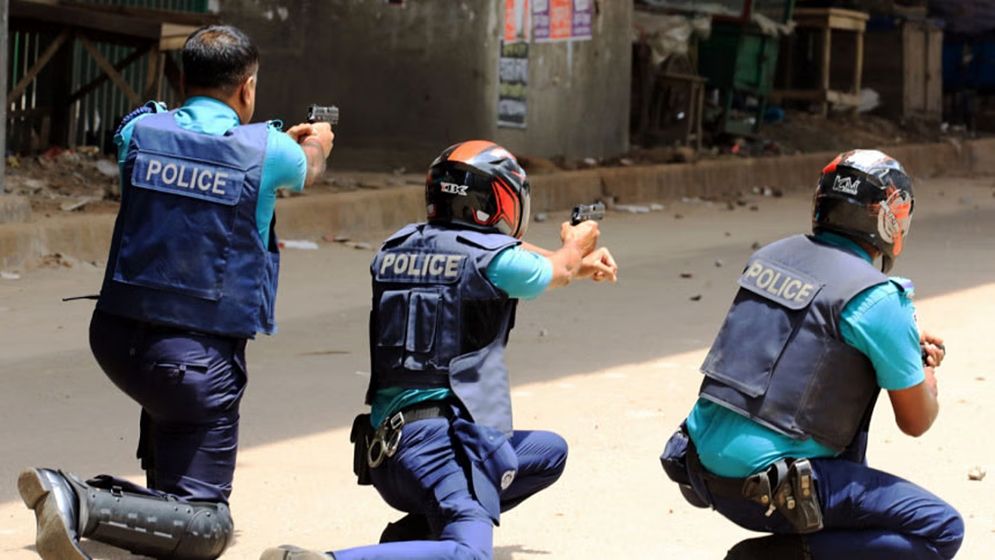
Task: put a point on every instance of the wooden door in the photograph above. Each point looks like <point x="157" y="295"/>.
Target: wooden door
<point x="914" y="70"/>
<point x="934" y="73"/>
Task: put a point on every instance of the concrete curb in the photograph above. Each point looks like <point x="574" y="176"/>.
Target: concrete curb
<point x="14" y="209"/>
<point x="370" y="213"/>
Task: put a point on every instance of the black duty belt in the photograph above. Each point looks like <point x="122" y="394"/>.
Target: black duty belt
<point x="727" y="487"/>
<point x="387" y="436"/>
<point x="424" y="411"/>
<point x="786" y="486"/>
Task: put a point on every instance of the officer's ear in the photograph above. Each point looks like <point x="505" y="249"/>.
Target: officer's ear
<point x="247" y="97"/>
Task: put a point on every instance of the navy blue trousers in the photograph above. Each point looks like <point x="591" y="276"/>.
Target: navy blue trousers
<point x="867" y="514"/>
<point x="189" y="386"/>
<point x="426" y="477"/>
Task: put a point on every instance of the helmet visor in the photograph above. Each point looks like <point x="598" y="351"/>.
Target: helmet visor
<point x="523" y="225"/>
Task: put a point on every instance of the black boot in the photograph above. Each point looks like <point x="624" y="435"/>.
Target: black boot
<point x="773" y="547"/>
<point x="57" y="511"/>
<point x="411" y="527"/>
<point x="110" y="512"/>
<point x="121" y="515"/>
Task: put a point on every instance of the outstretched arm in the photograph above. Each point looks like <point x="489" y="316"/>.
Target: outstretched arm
<point x="578" y="242"/>
<point x="316" y="140"/>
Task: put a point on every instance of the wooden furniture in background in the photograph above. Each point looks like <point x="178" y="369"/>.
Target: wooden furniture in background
<point x="822" y="22"/>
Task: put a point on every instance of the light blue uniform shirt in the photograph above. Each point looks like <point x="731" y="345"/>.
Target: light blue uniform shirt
<point x="880" y="322"/>
<point x="519" y="273"/>
<point x="284" y="166"/>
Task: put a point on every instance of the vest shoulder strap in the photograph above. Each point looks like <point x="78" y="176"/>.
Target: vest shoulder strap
<point x="400" y="235"/>
<point x="149" y="107"/>
<point x="488" y="241"/>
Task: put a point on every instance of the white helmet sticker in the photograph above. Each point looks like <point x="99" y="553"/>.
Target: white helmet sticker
<point x="894" y="218"/>
<point x="454" y="188"/>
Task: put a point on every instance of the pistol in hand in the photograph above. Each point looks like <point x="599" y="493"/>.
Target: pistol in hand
<point x="321" y="113"/>
<point x="585" y="212"/>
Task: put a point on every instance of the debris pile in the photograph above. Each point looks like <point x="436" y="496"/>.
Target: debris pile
<point x="65" y="180"/>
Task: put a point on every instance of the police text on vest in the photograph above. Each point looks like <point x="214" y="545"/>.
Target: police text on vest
<point x="189" y="177"/>
<point x="777" y="283"/>
<point x="186" y="177"/>
<point x="422" y="266"/>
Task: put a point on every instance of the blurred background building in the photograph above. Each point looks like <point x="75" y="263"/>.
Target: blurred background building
<point x="571" y="81"/>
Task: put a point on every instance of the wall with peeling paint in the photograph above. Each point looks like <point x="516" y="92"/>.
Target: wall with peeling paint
<point x="412" y="80"/>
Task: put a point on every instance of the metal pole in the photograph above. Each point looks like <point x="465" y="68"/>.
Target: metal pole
<point x="4" y="8"/>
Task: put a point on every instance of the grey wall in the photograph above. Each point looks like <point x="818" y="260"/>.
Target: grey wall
<point x="578" y="100"/>
<point x="411" y="80"/>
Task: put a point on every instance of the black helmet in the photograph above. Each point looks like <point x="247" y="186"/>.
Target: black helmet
<point x="478" y="184"/>
<point x="866" y="195"/>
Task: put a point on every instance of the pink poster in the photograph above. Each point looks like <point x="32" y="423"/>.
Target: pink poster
<point x="562" y="20"/>
<point x="516" y="21"/>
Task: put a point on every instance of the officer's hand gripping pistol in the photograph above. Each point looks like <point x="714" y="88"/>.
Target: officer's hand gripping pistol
<point x="585" y="212"/>
<point x="320" y="113"/>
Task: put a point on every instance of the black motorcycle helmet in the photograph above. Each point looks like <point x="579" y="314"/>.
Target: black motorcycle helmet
<point x="479" y="185"/>
<point x="866" y="196"/>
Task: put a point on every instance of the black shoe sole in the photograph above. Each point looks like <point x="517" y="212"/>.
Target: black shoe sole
<point x="54" y="539"/>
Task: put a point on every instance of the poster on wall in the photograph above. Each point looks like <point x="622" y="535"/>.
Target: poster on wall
<point x="562" y="20"/>
<point x="513" y="78"/>
<point x="516" y="21"/>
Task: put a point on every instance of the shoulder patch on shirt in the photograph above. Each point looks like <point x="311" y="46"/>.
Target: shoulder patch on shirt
<point x="187" y="177"/>
<point x="778" y="283"/>
<point x="418" y="266"/>
<point x="904" y="284"/>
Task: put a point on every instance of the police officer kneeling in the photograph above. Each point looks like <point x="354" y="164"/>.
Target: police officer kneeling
<point x="776" y="442"/>
<point x="192" y="274"/>
<point x="441" y="443"/>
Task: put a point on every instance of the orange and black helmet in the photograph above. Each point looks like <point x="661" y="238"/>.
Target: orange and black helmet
<point x="479" y="185"/>
<point x="866" y="195"/>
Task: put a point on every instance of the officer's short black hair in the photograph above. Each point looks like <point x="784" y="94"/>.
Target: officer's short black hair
<point x="218" y="56"/>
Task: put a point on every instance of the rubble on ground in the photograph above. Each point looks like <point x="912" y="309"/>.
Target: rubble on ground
<point x="63" y="180"/>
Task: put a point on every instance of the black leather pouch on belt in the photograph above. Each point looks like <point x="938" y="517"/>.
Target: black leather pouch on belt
<point x="362" y="433"/>
<point x="674" y="461"/>
<point x="794" y="497"/>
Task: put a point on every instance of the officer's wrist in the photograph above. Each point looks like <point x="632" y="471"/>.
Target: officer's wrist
<point x="314" y="142"/>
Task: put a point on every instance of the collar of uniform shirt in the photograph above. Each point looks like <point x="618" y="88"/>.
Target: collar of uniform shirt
<point x="843" y="243"/>
<point x="206" y="114"/>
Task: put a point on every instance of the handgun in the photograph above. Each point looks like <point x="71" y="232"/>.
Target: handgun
<point x="320" y="113"/>
<point x="584" y="212"/>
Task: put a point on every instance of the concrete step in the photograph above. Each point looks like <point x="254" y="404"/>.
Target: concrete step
<point x="369" y="214"/>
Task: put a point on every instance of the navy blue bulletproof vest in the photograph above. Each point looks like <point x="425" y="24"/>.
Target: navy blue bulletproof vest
<point x="437" y="321"/>
<point x="779" y="358"/>
<point x="186" y="252"/>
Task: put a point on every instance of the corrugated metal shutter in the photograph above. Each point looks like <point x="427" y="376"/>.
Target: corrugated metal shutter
<point x="96" y="115"/>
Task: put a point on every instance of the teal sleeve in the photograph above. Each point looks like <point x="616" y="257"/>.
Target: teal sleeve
<point x="880" y="322"/>
<point x="519" y="273"/>
<point x="123" y="141"/>
<point x="284" y="167"/>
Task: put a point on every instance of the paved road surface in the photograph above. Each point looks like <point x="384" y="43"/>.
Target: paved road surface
<point x="612" y="368"/>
